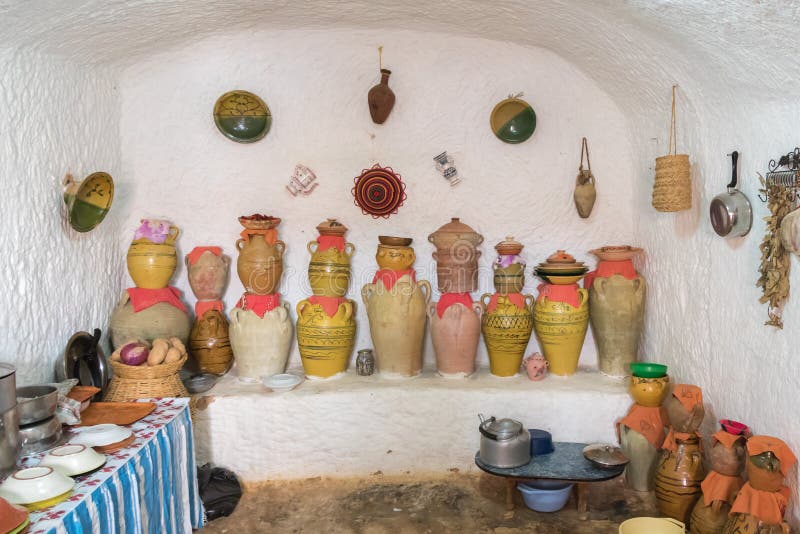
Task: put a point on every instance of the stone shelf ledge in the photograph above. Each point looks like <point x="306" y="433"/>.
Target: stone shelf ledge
<point x="356" y="426"/>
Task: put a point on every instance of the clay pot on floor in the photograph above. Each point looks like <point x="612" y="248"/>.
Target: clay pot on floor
<point x="455" y="338"/>
<point x="678" y="478"/>
<point x="456" y="257"/>
<point x="260" y="264"/>
<point x="208" y="276"/>
<point x="616" y="313"/>
<point x="381" y="99"/>
<point x="325" y="342"/>
<point x="729" y="461"/>
<point x="397" y="325"/>
<point x="748" y="524"/>
<point x="764" y="472"/>
<point x="161" y="320"/>
<point x="151" y="265"/>
<point x="506" y="331"/>
<point x="260" y="344"/>
<point x="682" y="420"/>
<point x="709" y="519"/>
<point x="209" y="343"/>
<point x="561" y="330"/>
<point x="641" y="470"/>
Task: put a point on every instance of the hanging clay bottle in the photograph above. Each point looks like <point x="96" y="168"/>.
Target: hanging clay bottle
<point x="260" y="261"/>
<point x="381" y="99"/>
<point x="396" y="304"/>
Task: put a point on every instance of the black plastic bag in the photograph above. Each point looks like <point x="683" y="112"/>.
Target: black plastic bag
<point x="220" y="491"/>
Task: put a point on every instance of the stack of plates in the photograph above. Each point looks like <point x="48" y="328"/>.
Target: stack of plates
<point x="561" y="269"/>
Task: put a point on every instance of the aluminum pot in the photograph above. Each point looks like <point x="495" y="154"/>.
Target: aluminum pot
<point x="504" y="443"/>
<point x="8" y="387"/>
<point x="41" y="436"/>
<point x="36" y="403"/>
<point x="731" y="212"/>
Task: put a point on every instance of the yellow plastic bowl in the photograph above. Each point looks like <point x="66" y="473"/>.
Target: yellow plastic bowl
<point x="652" y="525"/>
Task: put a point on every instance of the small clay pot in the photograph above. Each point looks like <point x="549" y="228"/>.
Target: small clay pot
<point x="395" y="258"/>
<point x="764" y="472"/>
<point x="682" y="420"/>
<point x="728" y="461"/>
<point x="649" y="392"/>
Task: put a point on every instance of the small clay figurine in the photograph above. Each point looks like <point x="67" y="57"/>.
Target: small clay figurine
<point x="536" y="366"/>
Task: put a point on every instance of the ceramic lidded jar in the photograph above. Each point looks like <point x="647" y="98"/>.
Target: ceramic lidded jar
<point x="152" y="258"/>
<point x="329" y="268"/>
<point x="395" y="253"/>
<point x="456" y="256"/>
<point x="509" y="269"/>
<point x="260" y="261"/>
<point x="207" y="272"/>
<point x="210" y="344"/>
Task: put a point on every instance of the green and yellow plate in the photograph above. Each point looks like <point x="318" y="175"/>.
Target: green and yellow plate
<point x="88" y="201"/>
<point x="513" y="120"/>
<point x="242" y="116"/>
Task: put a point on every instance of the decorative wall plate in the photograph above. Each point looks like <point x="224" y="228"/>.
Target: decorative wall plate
<point x="242" y="116"/>
<point x="88" y="201"/>
<point x="378" y="191"/>
<point x="513" y="120"/>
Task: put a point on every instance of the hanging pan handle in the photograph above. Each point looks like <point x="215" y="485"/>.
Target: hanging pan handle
<point x="735" y="163"/>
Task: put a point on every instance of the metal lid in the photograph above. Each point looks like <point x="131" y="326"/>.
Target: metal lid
<point x="605" y="455"/>
<point x="6" y="369"/>
<point x="504" y="428"/>
<point x="509" y="246"/>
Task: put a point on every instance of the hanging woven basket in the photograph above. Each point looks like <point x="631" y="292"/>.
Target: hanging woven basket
<point x="672" y="190"/>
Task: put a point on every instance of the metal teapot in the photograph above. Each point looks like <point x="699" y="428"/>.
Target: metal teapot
<point x="504" y="442"/>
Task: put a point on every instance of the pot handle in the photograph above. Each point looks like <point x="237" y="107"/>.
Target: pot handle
<point x="280" y="246"/>
<point x="239" y="244"/>
<point x="734" y="166"/>
<point x="174" y="232"/>
<point x="484" y="300"/>
<point x="427" y="286"/>
<point x="366" y="293"/>
<point x="479" y="308"/>
<point x="431" y="309"/>
<point x="349" y="248"/>
<point x="310" y="244"/>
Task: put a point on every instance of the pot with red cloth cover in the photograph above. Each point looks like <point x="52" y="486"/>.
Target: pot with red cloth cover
<point x="207" y="270"/>
<point x="260" y="261"/>
<point x="561" y="318"/>
<point x="329" y="268"/>
<point x="506" y="325"/>
<point x="455" y="332"/>
<point x="326" y="330"/>
<point x="148" y="314"/>
<point x="261" y="337"/>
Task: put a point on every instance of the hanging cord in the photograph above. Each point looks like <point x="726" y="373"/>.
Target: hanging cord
<point x="585" y="150"/>
<point x="673" y="133"/>
<point x="380" y="57"/>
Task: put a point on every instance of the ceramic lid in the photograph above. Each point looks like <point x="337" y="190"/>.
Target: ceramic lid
<point x="259" y="221"/>
<point x="504" y="428"/>
<point x="560" y="256"/>
<point x="509" y="246"/>
<point x="615" y="253"/>
<point x="455" y="229"/>
<point x="331" y="227"/>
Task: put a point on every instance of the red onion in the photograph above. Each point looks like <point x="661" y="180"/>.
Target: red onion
<point x="134" y="353"/>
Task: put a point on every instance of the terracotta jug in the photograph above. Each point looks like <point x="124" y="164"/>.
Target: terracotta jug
<point x="678" y="479"/>
<point x="616" y="313"/>
<point x="260" y="264"/>
<point x="325" y="342"/>
<point x="455" y="338"/>
<point x="329" y="268"/>
<point x="151" y="265"/>
<point x="260" y="344"/>
<point x="160" y="320"/>
<point x="208" y="275"/>
<point x="561" y="330"/>
<point x="397" y="324"/>
<point x="209" y="343"/>
<point x="641" y="470"/>
<point x="506" y="332"/>
<point x="456" y="257"/>
<point x="381" y="99"/>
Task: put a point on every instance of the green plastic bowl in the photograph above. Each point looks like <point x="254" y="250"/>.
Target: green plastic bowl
<point x="648" y="370"/>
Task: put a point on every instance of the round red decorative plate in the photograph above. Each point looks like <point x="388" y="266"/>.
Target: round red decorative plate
<point x="378" y="191"/>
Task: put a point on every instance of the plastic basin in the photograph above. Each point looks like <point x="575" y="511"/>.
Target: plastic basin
<point x="545" y="495"/>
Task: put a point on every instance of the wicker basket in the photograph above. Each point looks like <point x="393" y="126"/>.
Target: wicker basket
<point x="132" y="382"/>
<point x="672" y="189"/>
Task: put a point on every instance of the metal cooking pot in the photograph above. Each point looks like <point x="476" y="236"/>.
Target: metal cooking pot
<point x="9" y="420"/>
<point x="36" y="403"/>
<point x="504" y="443"/>
<point x="84" y="359"/>
<point x="40" y="436"/>
<point x="731" y="213"/>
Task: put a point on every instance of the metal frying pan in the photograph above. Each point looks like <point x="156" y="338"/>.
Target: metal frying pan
<point x="731" y="213"/>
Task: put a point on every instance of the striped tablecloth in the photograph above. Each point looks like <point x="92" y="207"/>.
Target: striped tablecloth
<point x="150" y="486"/>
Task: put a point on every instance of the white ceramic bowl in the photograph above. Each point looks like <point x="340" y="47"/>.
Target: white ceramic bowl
<point x="281" y="383"/>
<point x="72" y="460"/>
<point x="100" y="435"/>
<point x="34" y="485"/>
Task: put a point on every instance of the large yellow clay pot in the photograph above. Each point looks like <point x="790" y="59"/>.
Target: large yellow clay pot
<point x="151" y="265"/>
<point x="260" y="264"/>
<point x="397" y="325"/>
<point x="561" y="330"/>
<point x="506" y="332"/>
<point x="329" y="269"/>
<point x="649" y="392"/>
<point x="325" y="342"/>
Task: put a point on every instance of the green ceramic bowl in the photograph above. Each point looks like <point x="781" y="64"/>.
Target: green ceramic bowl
<point x="242" y="117"/>
<point x="513" y="120"/>
<point x="88" y="201"/>
<point x="648" y="370"/>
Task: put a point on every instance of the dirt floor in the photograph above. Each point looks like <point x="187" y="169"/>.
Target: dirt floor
<point x="454" y="503"/>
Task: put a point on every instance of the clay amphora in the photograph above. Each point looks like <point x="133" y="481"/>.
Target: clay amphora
<point x="329" y="269"/>
<point x="709" y="519"/>
<point x="151" y="265"/>
<point x="160" y="320"/>
<point x="749" y="524"/>
<point x="325" y="342"/>
<point x="381" y="99"/>
<point x="456" y="257"/>
<point x="260" y="344"/>
<point x="260" y="264"/>
<point x="506" y="332"/>
<point x="678" y="479"/>
<point x="455" y="338"/>
<point x="616" y="313"/>
<point x="641" y="470"/>
<point x="208" y="276"/>
<point x="209" y="343"/>
<point x="561" y="330"/>
<point x="397" y="325"/>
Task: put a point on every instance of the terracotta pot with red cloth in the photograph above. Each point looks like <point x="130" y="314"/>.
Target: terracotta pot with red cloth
<point x="260" y="261"/>
<point x="455" y="332"/>
<point x="161" y="314"/>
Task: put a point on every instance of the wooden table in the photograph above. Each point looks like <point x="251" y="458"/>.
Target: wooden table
<point x="565" y="463"/>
